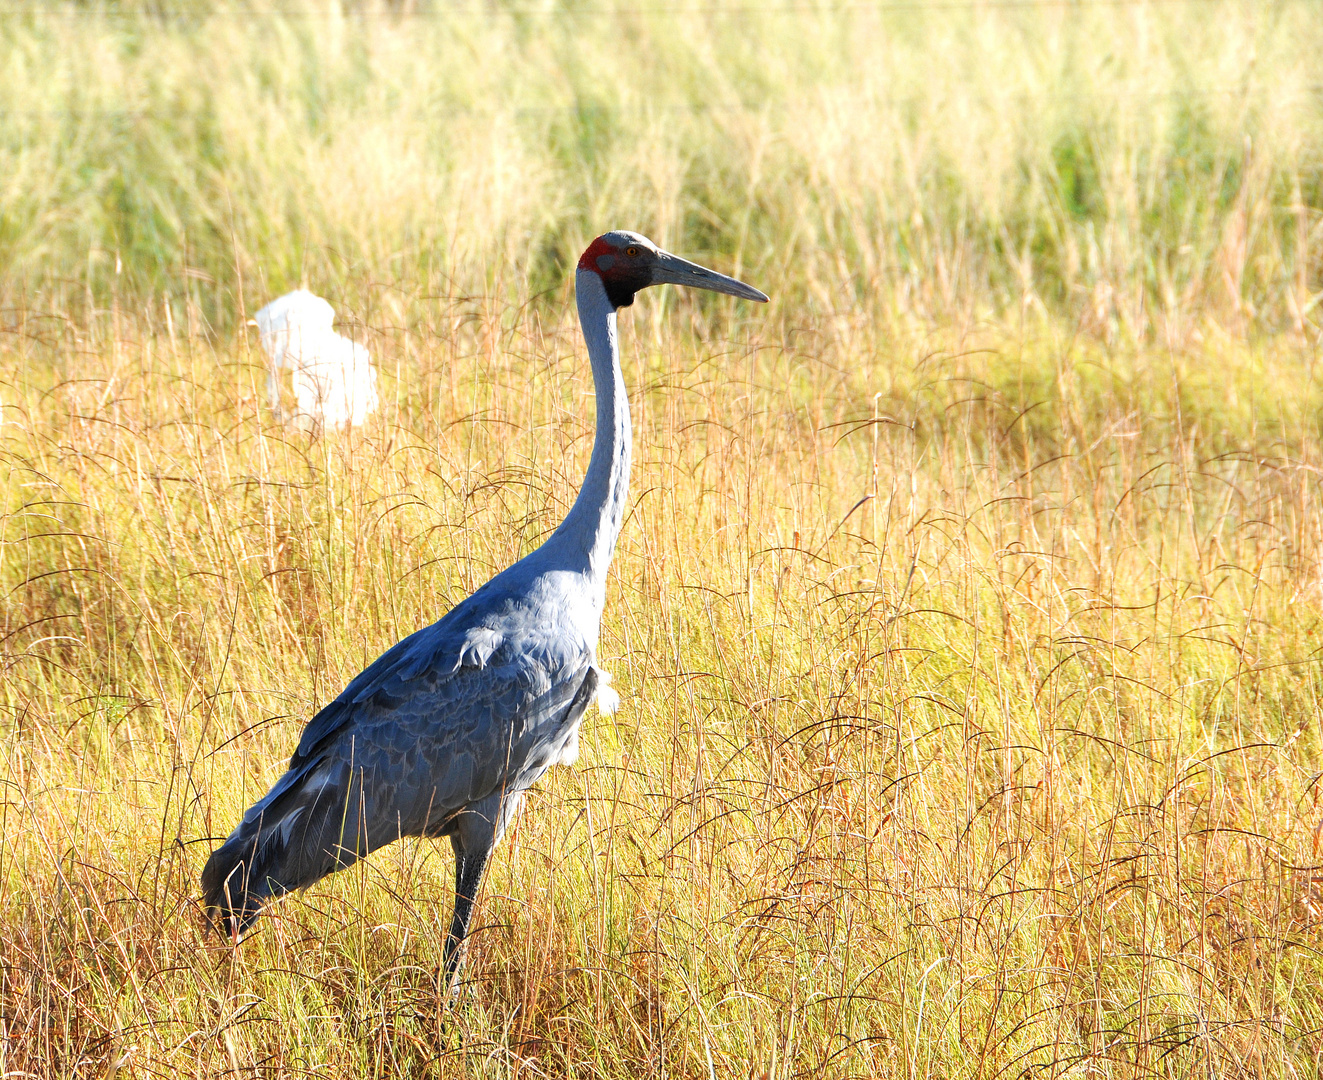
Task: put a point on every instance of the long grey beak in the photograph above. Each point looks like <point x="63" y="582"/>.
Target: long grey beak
<point x="672" y="270"/>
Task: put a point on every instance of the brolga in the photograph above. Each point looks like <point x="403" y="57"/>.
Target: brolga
<point x="443" y="734"/>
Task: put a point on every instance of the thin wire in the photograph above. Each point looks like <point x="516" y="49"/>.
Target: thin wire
<point x="496" y="9"/>
<point x="465" y="109"/>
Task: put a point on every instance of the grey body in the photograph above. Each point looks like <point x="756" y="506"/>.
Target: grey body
<point x="443" y="734"/>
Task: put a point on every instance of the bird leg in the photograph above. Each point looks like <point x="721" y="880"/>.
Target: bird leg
<point x="469" y="866"/>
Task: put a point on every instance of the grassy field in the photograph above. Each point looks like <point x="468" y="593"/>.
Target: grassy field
<point x="967" y="619"/>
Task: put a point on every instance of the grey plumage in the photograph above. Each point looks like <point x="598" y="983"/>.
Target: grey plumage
<point x="443" y="734"/>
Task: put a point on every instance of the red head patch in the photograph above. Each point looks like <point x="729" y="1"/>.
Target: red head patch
<point x="624" y="262"/>
<point x="599" y="247"/>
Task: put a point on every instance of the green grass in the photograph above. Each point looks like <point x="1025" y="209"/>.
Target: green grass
<point x="967" y="618"/>
<point x="1129" y="166"/>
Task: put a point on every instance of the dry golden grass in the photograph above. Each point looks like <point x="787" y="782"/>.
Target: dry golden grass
<point x="970" y="718"/>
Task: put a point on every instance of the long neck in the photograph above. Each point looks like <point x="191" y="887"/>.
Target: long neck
<point x="590" y="529"/>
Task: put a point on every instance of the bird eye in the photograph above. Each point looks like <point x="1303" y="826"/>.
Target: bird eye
<point x="632" y="252"/>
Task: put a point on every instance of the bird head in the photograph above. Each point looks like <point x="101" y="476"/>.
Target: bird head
<point x="627" y="262"/>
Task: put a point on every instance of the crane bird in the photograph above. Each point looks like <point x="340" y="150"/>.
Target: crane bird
<point x="444" y="733"/>
<point x="335" y="384"/>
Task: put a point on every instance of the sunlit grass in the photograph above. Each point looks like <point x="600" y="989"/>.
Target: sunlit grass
<point x="1013" y="764"/>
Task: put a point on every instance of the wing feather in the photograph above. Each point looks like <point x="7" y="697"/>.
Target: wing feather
<point x="424" y="739"/>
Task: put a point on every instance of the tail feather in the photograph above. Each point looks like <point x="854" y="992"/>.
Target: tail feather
<point x="290" y="839"/>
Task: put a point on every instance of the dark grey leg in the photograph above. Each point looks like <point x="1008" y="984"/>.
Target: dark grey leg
<point x="469" y="866"/>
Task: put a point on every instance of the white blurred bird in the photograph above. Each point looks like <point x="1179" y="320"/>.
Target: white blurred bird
<point x="335" y="384"/>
